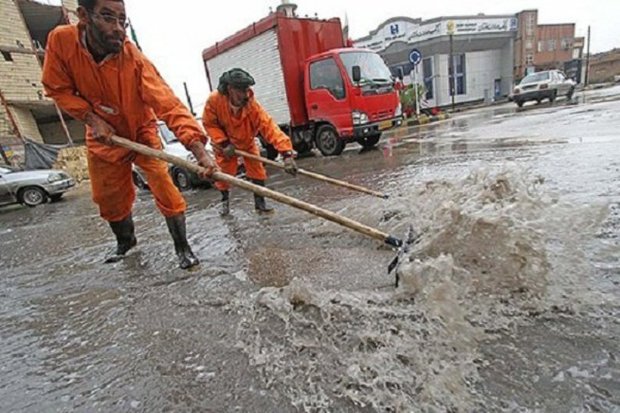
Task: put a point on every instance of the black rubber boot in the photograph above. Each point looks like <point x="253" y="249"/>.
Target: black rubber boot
<point x="259" y="201"/>
<point x="125" y="239"/>
<point x="176" y="226"/>
<point x="225" y="203"/>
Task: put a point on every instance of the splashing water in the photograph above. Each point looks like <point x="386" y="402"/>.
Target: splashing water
<point x="496" y="247"/>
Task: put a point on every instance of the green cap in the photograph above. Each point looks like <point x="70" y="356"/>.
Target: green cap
<point x="237" y="78"/>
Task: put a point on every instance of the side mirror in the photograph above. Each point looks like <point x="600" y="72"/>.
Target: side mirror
<point x="357" y="74"/>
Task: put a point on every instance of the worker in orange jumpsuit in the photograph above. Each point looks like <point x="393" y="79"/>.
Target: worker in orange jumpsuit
<point x="233" y="118"/>
<point x="97" y="76"/>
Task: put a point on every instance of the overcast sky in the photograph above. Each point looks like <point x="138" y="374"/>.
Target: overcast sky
<point x="174" y="33"/>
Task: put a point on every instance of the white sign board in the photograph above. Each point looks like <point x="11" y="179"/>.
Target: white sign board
<point x="408" y="32"/>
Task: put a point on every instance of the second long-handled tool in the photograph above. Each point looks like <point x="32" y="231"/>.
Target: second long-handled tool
<point x="285" y="199"/>
<point x="313" y="175"/>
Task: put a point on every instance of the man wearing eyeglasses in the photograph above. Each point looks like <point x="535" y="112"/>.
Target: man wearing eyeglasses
<point x="97" y="76"/>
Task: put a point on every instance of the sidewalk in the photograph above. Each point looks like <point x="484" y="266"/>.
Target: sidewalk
<point x="424" y="119"/>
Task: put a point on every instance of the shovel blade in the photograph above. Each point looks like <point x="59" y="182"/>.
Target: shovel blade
<point x="411" y="238"/>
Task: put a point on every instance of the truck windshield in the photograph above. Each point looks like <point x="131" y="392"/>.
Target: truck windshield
<point x="373" y="68"/>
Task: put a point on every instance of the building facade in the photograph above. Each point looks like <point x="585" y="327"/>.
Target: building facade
<point x="470" y="58"/>
<point x="546" y="46"/>
<point x="25" y="112"/>
<point x="605" y="67"/>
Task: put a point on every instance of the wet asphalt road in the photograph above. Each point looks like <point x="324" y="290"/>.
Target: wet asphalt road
<point x="143" y="335"/>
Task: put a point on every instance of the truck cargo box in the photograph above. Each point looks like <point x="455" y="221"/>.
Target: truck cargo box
<point x="273" y="50"/>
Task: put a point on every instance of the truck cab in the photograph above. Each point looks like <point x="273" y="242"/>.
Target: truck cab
<point x="350" y="96"/>
<point x="320" y="92"/>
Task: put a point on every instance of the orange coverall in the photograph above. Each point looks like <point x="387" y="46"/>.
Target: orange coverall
<point x="223" y="127"/>
<point x="126" y="91"/>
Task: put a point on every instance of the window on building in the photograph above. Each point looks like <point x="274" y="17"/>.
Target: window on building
<point x="529" y="60"/>
<point x="7" y="56"/>
<point x="325" y="74"/>
<point x="541" y="46"/>
<point x="427" y="72"/>
<point x="566" y="43"/>
<point x="458" y="66"/>
<point x="530" y="24"/>
<point x="529" y="45"/>
<point x="551" y="45"/>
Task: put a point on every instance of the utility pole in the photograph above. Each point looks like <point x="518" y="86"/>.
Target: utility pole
<point x="588" y="60"/>
<point x="189" y="100"/>
<point x="451" y="74"/>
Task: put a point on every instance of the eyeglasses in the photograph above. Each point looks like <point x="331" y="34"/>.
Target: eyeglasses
<point x="112" y="19"/>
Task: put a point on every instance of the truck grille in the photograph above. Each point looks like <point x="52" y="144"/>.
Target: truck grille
<point x="384" y="114"/>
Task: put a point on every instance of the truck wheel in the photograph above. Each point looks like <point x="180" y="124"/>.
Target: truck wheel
<point x="369" y="141"/>
<point x="32" y="196"/>
<point x="328" y="141"/>
<point x="519" y="103"/>
<point x="181" y="179"/>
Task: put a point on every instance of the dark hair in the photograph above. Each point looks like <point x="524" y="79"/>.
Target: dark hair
<point x="90" y="4"/>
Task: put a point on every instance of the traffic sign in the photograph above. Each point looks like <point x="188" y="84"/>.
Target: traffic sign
<point x="415" y="56"/>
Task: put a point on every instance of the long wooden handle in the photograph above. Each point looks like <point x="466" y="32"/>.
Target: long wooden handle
<point x="313" y="175"/>
<point x="285" y="199"/>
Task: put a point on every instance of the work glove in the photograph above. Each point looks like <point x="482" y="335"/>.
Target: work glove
<point x="228" y="151"/>
<point x="289" y="163"/>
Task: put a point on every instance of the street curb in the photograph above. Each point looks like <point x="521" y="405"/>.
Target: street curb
<point x="424" y="119"/>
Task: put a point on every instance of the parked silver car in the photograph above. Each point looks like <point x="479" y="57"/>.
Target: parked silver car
<point x="548" y="84"/>
<point x="181" y="177"/>
<point x="34" y="187"/>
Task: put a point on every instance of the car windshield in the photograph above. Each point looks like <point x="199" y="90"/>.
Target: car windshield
<point x="373" y="68"/>
<point x="167" y="134"/>
<point x="535" y="78"/>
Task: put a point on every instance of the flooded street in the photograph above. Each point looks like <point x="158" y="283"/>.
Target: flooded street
<point x="509" y="302"/>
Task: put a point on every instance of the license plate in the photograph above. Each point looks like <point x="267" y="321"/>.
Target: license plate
<point x="386" y="124"/>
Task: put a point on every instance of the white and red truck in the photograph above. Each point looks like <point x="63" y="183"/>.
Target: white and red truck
<point x="319" y="91"/>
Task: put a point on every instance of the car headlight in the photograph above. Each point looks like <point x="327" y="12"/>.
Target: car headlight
<point x="54" y="178"/>
<point x="398" y="111"/>
<point x="359" y="118"/>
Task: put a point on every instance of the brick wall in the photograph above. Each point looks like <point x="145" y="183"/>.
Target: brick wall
<point x="71" y="9"/>
<point x="26" y="123"/>
<point x="604" y="66"/>
<point x="20" y="79"/>
<point x="555" y="45"/>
